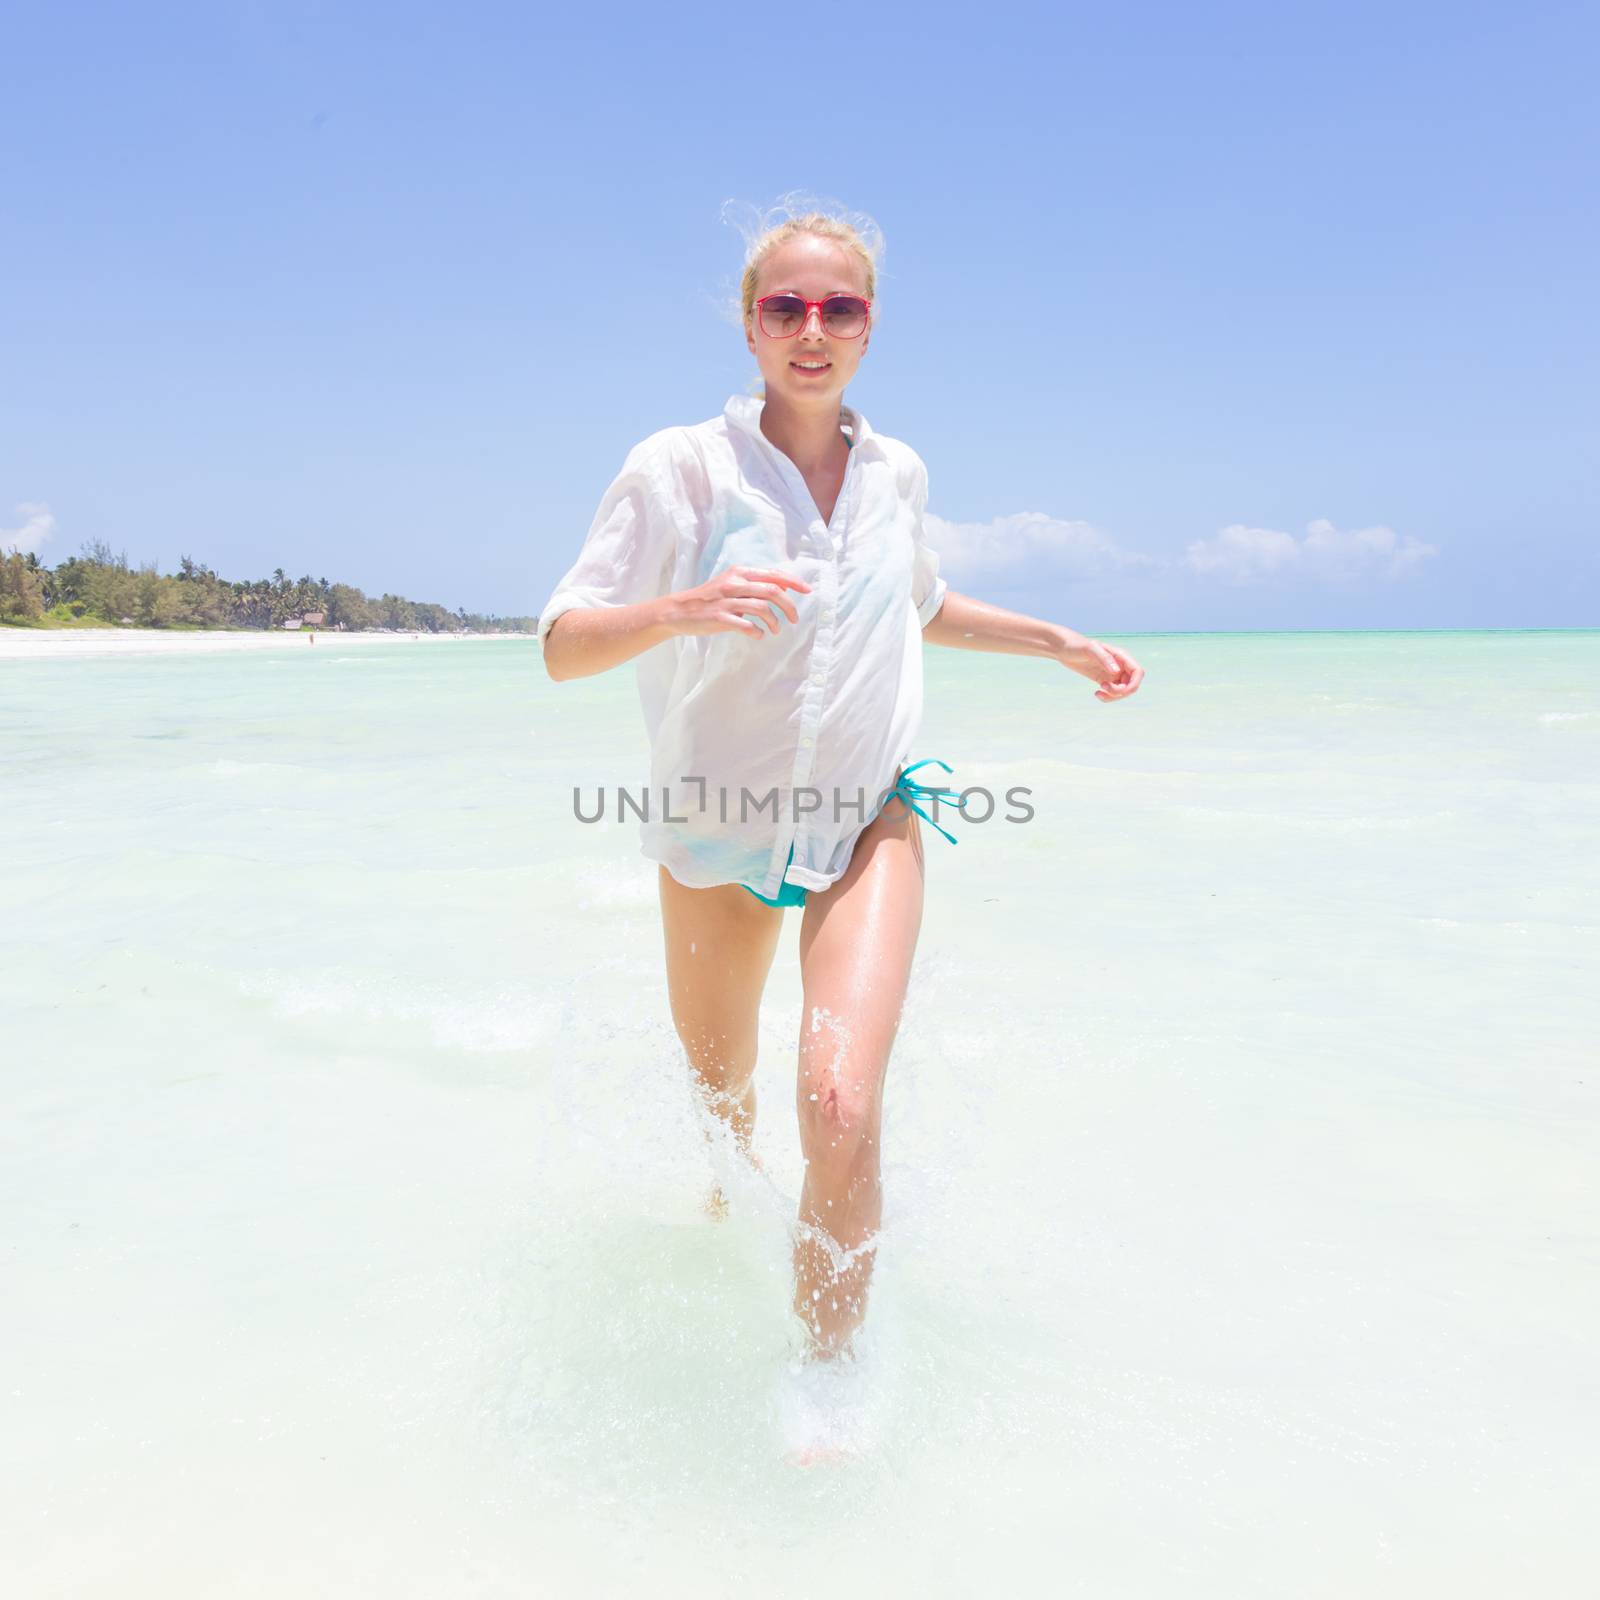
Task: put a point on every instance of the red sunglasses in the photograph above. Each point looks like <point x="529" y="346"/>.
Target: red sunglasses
<point x="782" y="316"/>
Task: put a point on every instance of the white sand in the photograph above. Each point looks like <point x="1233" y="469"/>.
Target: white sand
<point x="37" y="643"/>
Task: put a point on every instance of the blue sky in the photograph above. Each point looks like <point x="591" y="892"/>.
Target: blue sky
<point x="1219" y="316"/>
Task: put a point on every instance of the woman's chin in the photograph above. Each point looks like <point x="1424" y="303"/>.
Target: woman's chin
<point x="792" y="386"/>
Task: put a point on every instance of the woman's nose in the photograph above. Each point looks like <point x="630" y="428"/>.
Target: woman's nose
<point x="812" y="327"/>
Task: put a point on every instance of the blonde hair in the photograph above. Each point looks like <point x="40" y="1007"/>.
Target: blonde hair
<point x="794" y="214"/>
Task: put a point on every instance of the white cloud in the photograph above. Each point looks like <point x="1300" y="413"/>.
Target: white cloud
<point x="38" y="525"/>
<point x="1026" y="545"/>
<point x="1242" y="555"/>
<point x="1378" y="549"/>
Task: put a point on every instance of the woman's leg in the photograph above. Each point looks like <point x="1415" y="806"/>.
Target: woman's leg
<point x="857" y="940"/>
<point x="720" y="944"/>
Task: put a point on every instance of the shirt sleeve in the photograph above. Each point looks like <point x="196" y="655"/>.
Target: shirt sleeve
<point x="627" y="555"/>
<point x="927" y="587"/>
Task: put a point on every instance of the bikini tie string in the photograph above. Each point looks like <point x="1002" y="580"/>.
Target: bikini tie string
<point x="909" y="791"/>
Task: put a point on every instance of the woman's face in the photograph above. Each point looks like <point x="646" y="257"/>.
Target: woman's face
<point x="812" y="268"/>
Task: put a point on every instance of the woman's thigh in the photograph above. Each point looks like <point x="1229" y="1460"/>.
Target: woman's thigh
<point x="719" y="943"/>
<point x="857" y="941"/>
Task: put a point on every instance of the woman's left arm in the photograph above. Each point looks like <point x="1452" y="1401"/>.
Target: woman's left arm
<point x="963" y="623"/>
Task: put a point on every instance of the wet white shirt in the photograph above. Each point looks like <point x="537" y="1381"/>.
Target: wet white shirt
<point x="791" y="739"/>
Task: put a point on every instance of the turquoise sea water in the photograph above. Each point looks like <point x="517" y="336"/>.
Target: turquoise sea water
<point x="1241" y="1232"/>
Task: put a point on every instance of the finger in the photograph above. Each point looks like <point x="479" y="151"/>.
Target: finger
<point x="736" y="597"/>
<point x="773" y="575"/>
<point x="752" y="605"/>
<point x="1126" y="667"/>
<point x="788" y="579"/>
<point x="765" y="615"/>
<point x="743" y="624"/>
<point x="773" y="595"/>
<point x="1132" y="674"/>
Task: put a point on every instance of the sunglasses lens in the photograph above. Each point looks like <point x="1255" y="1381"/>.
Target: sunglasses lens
<point x="844" y="316"/>
<point x="781" y="315"/>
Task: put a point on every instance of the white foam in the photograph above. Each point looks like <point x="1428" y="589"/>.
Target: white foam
<point x="830" y="1409"/>
<point x="459" y="1017"/>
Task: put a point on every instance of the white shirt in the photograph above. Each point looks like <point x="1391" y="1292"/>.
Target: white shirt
<point x="832" y="703"/>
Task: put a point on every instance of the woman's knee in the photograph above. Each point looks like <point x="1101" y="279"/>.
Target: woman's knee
<point x="840" y="1118"/>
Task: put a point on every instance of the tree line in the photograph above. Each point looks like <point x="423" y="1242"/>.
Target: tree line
<point x="99" y="586"/>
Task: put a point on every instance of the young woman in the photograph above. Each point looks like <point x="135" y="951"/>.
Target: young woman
<point x="768" y="570"/>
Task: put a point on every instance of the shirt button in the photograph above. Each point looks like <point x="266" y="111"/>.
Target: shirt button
<point x="827" y="614"/>
<point x="816" y="677"/>
<point x="805" y="738"/>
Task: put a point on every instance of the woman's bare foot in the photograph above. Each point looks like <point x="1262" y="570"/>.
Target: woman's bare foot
<point x="715" y="1205"/>
<point x="827" y="1410"/>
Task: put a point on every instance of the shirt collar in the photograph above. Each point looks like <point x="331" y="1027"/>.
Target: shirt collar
<point x="743" y="411"/>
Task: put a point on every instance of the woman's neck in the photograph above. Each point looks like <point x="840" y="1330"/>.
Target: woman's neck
<point x="810" y="438"/>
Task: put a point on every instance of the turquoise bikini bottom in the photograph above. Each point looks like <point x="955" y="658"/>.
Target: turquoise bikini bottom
<point x="792" y="894"/>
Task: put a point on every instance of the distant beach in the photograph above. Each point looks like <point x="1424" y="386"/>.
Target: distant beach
<point x="36" y="644"/>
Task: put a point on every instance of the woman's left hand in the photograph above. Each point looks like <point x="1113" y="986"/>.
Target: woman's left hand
<point x="1116" y="672"/>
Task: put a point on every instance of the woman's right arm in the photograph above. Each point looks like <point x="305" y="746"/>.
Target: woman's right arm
<point x="616" y="602"/>
<point x="585" y="640"/>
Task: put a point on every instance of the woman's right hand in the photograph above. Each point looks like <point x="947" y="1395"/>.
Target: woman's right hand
<point x="729" y="600"/>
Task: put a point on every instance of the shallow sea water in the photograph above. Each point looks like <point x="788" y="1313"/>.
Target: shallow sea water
<point x="1240" y="1139"/>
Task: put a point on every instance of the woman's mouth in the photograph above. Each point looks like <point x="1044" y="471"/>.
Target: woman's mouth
<point x="810" y="367"/>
